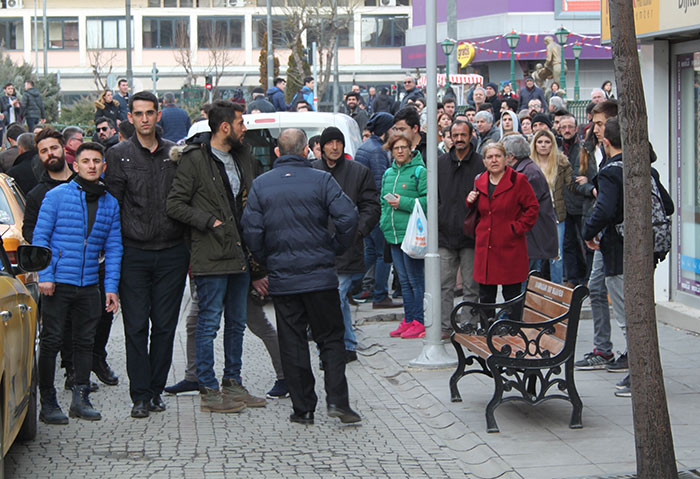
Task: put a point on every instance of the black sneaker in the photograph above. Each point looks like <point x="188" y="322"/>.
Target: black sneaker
<point x="593" y="360"/>
<point x="624" y="383"/>
<point x="183" y="386"/>
<point x="363" y="297"/>
<point x="279" y="390"/>
<point x="619" y="365"/>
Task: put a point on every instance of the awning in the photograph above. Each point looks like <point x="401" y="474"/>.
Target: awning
<point x="463" y="79"/>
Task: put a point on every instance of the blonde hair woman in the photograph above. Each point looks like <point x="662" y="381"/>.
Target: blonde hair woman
<point x="557" y="171"/>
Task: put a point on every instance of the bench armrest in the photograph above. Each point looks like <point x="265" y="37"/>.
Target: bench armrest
<point x="533" y="348"/>
<point x="486" y="313"/>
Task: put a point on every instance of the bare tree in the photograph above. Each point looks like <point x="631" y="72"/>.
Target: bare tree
<point x="219" y="56"/>
<point x="101" y="65"/>
<point x="184" y="58"/>
<point x="652" y="427"/>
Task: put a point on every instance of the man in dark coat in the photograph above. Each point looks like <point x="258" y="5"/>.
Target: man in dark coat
<point x="33" y="106"/>
<point x="529" y="92"/>
<point x="412" y="91"/>
<point x="27" y="169"/>
<point x="542" y="243"/>
<point x="384" y="102"/>
<point x="259" y="102"/>
<point x="175" y="121"/>
<point x="353" y="109"/>
<point x="457" y="170"/>
<point x="356" y="182"/>
<point x="9" y="155"/>
<point x="285" y="224"/>
<point x="275" y="94"/>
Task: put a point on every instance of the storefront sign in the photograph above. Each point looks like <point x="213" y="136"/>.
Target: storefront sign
<point x="651" y="20"/>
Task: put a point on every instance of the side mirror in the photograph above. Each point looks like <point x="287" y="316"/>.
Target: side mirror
<point x="33" y="258"/>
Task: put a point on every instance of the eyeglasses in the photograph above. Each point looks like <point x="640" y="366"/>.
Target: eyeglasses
<point x="400" y="148"/>
<point x="104" y="128"/>
<point x="407" y="81"/>
<point x="139" y="114"/>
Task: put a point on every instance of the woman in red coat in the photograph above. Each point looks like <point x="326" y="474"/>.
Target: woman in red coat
<point x="508" y="209"/>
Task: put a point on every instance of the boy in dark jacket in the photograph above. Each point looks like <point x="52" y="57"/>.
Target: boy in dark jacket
<point x="77" y="221"/>
<point x="33" y="106"/>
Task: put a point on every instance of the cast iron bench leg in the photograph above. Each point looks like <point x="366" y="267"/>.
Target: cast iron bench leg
<point x="491" y="425"/>
<point x="576" y="420"/>
<point x="459" y="373"/>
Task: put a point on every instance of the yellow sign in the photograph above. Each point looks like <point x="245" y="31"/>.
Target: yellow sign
<point x="465" y="54"/>
<point x="650" y="18"/>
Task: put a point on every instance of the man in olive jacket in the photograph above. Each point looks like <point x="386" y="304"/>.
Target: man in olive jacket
<point x="208" y="194"/>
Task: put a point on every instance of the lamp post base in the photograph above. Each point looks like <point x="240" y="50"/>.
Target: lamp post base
<point x="433" y="356"/>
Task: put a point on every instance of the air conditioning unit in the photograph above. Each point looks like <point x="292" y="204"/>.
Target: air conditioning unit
<point x="14" y="3"/>
<point x="235" y="3"/>
<point x="388" y="3"/>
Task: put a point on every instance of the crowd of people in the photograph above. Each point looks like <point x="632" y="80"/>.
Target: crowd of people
<point x="130" y="215"/>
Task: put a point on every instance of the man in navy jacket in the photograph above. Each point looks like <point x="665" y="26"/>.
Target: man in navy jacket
<point x="77" y="221"/>
<point x="285" y="225"/>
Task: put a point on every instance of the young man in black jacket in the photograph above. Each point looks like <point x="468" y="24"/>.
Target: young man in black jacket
<point x="154" y="267"/>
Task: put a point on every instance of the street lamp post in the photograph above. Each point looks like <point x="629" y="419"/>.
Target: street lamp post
<point x="562" y="34"/>
<point x="577" y="53"/>
<point x="513" y="39"/>
<point x="447" y="47"/>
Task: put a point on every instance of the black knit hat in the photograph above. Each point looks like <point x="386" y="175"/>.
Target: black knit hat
<point x="332" y="133"/>
<point x="542" y="118"/>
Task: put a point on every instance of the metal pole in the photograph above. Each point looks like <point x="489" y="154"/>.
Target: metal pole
<point x="577" y="90"/>
<point x="512" y="69"/>
<point x="46" y="43"/>
<point x="452" y="33"/>
<point x="315" y="60"/>
<point x="336" y="76"/>
<point x="562" y="77"/>
<point x="270" y="52"/>
<point x="154" y="75"/>
<point x="447" y="72"/>
<point x="36" y="38"/>
<point x="129" y="69"/>
<point x="433" y="354"/>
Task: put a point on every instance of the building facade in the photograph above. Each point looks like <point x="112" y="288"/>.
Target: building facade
<point x="85" y="33"/>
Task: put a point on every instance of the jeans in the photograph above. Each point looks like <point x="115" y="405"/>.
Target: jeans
<point x="616" y="289"/>
<point x="451" y="261"/>
<point x="258" y="324"/>
<point x="556" y="266"/>
<point x="374" y="256"/>
<point x="151" y="287"/>
<point x="321" y="311"/>
<point x="220" y="293"/>
<point x="411" y="274"/>
<point x="83" y="305"/>
<point x="344" y="285"/>
<point x="600" y="309"/>
<point x="574" y="250"/>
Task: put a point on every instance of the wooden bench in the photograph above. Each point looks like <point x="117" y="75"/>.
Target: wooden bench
<point x="524" y="355"/>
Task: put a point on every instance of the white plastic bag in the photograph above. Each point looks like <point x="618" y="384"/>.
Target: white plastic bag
<point x="415" y="243"/>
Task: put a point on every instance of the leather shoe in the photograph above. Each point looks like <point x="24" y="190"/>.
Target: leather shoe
<point x="350" y="356"/>
<point x="345" y="414"/>
<point x="156" y="404"/>
<point x="104" y="373"/>
<point x="306" y="418"/>
<point x="386" y="303"/>
<point x="140" y="409"/>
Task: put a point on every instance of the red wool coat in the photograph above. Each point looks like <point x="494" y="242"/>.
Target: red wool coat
<point x="500" y="254"/>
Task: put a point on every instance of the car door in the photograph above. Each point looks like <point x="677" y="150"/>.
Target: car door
<point x="13" y="342"/>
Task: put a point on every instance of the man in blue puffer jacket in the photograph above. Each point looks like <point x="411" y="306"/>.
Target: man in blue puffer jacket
<point x="285" y="225"/>
<point x="78" y="221"/>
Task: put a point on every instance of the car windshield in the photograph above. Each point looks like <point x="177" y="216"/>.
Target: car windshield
<point x="6" y="216"/>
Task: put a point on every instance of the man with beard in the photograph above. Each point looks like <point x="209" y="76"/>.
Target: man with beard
<point x="457" y="170"/>
<point x="355" y="111"/>
<point x="208" y="194"/>
<point x="105" y="134"/>
<point x="357" y="183"/>
<point x="154" y="266"/>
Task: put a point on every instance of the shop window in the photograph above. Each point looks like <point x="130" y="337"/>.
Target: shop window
<point x="218" y="32"/>
<point x="281" y="34"/>
<point x="321" y="32"/>
<point x="107" y="33"/>
<point x="63" y="33"/>
<point x="384" y="31"/>
<point x="11" y="34"/>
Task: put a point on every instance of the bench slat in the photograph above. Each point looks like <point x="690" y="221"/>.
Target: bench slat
<point x="532" y="316"/>
<point x="551" y="290"/>
<point x="545" y="306"/>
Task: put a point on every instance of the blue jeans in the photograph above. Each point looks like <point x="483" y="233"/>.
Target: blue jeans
<point x="556" y="266"/>
<point x="220" y="293"/>
<point x="412" y="278"/>
<point x="344" y="285"/>
<point x="374" y="255"/>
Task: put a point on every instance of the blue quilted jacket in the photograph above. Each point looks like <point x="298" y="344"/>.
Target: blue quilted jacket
<point x="62" y="227"/>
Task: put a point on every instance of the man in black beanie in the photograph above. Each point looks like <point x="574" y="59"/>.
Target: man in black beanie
<point x="357" y="183"/>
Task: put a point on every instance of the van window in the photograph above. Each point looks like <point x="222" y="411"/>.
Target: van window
<point x="262" y="145"/>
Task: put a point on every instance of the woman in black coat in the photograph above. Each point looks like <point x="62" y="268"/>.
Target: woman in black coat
<point x="106" y="106"/>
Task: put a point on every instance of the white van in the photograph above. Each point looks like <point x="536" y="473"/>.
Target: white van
<point x="265" y="128"/>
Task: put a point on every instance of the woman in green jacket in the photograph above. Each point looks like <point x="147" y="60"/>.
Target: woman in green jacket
<point x="402" y="183"/>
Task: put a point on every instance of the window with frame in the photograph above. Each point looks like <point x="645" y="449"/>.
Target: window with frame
<point x="218" y="32"/>
<point x="11" y="34"/>
<point x="177" y="3"/>
<point x="166" y="32"/>
<point x="387" y="3"/>
<point x="63" y="33"/>
<point x="107" y="32"/>
<point x="382" y="31"/>
<point x="322" y="31"/>
<point x="281" y="35"/>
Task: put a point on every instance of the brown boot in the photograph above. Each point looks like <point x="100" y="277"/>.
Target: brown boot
<point x="213" y="400"/>
<point x="235" y="390"/>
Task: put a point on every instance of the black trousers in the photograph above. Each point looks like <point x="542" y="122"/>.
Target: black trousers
<point x="83" y="305"/>
<point x="151" y="287"/>
<point x="104" y="327"/>
<point x="487" y="294"/>
<point x="574" y="250"/>
<point x="321" y="311"/>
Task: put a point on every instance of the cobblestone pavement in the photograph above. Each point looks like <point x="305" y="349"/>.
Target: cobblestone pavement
<point x="405" y="431"/>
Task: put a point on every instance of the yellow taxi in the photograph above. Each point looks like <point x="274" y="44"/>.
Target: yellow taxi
<point x="19" y="340"/>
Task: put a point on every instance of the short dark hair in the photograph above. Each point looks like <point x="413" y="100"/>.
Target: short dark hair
<point x="103" y="119"/>
<point x="169" y="99"/>
<point x="308" y="79"/>
<point x="562" y="113"/>
<point x="6" y="85"/>
<point x="223" y="111"/>
<point x="31" y="82"/>
<point x="302" y="102"/>
<point x="469" y="108"/>
<point x="92" y="146"/>
<point x="568" y="115"/>
<point x="205" y="108"/>
<point x="488" y="106"/>
<point x="122" y="80"/>
<point x="70" y="131"/>
<point x="612" y="132"/>
<point x="48" y="133"/>
<point x="353" y="94"/>
<point x="14" y="130"/>
<point x="409" y="115"/>
<point x="279" y="80"/>
<point x="126" y="129"/>
<point x="447" y="100"/>
<point x="589" y="108"/>
<point x="314" y="140"/>
<point x="143" y="96"/>
<point x="511" y="102"/>
<point x="607" y="108"/>
<point x="26" y="141"/>
<point x="462" y="122"/>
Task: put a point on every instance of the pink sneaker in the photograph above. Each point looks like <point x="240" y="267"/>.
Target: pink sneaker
<point x="414" y="331"/>
<point x="401" y="329"/>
